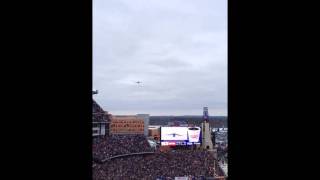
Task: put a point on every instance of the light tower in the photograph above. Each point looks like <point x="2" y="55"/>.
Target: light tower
<point x="206" y="134"/>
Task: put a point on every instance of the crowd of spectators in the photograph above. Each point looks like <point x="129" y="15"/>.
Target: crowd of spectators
<point x="109" y="146"/>
<point x="161" y="165"/>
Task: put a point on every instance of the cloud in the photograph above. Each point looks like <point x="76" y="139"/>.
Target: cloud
<point x="178" y="49"/>
<point x="170" y="63"/>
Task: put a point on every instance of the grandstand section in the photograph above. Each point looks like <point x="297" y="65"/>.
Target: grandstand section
<point x="114" y="145"/>
<point x="160" y="165"/>
<point x="128" y="151"/>
<point x="100" y="120"/>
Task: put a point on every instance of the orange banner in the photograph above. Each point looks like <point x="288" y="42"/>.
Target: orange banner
<point x="127" y="126"/>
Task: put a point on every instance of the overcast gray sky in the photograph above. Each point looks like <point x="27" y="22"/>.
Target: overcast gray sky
<point x="177" y="48"/>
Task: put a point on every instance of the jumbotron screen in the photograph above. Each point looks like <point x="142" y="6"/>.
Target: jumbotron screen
<point x="171" y="136"/>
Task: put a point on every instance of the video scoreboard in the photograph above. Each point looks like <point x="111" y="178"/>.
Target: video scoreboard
<point x="180" y="136"/>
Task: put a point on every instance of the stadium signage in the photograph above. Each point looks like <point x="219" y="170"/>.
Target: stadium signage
<point x="127" y="126"/>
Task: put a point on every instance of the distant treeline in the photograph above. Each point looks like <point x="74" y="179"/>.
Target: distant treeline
<point x="215" y="121"/>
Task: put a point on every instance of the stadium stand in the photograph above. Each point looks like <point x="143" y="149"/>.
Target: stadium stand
<point x="194" y="164"/>
<point x="109" y="146"/>
<point x="100" y="120"/>
<point x="122" y="157"/>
